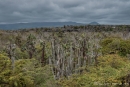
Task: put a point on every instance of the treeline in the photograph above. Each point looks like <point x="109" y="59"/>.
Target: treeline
<point x="81" y="28"/>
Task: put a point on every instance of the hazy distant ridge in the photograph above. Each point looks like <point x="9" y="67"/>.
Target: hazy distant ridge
<point x="36" y="25"/>
<point x="94" y="23"/>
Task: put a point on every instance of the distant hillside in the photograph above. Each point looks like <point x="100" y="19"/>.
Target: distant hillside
<point x="94" y="23"/>
<point x="35" y="25"/>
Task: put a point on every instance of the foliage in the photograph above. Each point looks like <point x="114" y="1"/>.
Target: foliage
<point x="114" y="61"/>
<point x="19" y="54"/>
<point x="115" y="45"/>
<point x="27" y="73"/>
<point x="5" y="70"/>
<point x="108" y="71"/>
<point x="13" y="78"/>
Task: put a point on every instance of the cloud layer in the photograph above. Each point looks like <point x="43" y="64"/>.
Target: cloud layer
<point x="85" y="11"/>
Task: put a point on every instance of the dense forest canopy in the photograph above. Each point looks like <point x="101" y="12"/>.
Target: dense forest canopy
<point x="68" y="56"/>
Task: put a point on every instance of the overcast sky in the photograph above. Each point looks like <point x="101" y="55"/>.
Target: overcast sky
<point x="83" y="11"/>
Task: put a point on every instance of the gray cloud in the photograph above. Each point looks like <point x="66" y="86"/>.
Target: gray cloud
<point x="85" y="11"/>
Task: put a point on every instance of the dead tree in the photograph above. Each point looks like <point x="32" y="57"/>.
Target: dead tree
<point x="71" y="57"/>
<point x="11" y="53"/>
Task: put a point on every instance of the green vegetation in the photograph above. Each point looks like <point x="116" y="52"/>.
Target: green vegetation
<point x="116" y="45"/>
<point x="65" y="58"/>
<point x="27" y="73"/>
<point x="108" y="71"/>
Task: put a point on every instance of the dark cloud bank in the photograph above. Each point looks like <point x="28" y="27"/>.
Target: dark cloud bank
<point x="83" y="11"/>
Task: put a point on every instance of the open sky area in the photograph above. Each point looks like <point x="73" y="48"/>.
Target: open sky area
<point x="82" y="11"/>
